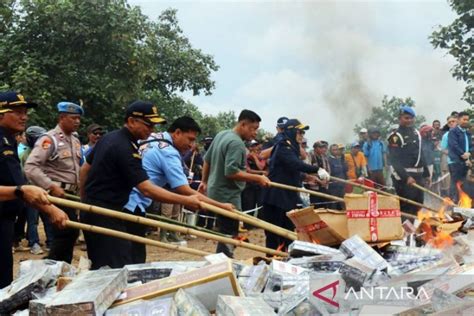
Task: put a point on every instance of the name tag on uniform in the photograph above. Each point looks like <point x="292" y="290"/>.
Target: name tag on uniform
<point x="8" y="152"/>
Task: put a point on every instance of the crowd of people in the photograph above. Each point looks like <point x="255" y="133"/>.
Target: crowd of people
<point x="136" y="170"/>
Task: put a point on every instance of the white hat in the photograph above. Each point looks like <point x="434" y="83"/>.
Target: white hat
<point x="363" y="130"/>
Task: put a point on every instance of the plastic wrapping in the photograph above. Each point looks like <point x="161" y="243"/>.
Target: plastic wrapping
<point x="252" y="279"/>
<point x="356" y="247"/>
<point x="34" y="278"/>
<point x="242" y="306"/>
<point x="90" y="293"/>
<point x="322" y="263"/>
<point x="188" y="305"/>
<point x="302" y="248"/>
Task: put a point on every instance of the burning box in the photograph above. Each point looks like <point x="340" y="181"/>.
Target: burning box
<point x="206" y="283"/>
<point x="322" y="226"/>
<point x="373" y="217"/>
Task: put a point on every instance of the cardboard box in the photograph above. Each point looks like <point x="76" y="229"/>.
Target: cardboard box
<point x="321" y="226"/>
<point x="206" y="283"/>
<point x="373" y="217"/>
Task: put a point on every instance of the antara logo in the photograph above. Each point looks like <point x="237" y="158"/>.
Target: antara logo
<point x="333" y="286"/>
<point x="386" y="293"/>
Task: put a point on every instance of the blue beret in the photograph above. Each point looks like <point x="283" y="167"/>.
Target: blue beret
<point x="70" y="108"/>
<point x="405" y="109"/>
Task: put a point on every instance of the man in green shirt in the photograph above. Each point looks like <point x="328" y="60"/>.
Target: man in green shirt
<point x="224" y="175"/>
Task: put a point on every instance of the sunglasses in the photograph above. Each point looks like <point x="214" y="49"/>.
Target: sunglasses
<point x="98" y="133"/>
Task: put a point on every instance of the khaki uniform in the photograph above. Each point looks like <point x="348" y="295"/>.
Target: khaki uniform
<point x="55" y="159"/>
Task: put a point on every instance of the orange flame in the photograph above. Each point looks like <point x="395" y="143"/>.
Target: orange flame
<point x="280" y="247"/>
<point x="442" y="240"/>
<point x="464" y="200"/>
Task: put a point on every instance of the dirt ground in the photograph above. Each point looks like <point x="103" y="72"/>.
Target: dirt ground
<point x="154" y="253"/>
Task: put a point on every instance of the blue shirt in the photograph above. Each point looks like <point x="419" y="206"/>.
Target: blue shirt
<point x="162" y="162"/>
<point x="374" y="151"/>
<point x="444" y="145"/>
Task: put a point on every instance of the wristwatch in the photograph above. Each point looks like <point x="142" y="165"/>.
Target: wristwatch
<point x="19" y="192"/>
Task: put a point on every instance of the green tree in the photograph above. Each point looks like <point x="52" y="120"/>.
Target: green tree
<point x="457" y="38"/>
<point x="386" y="115"/>
<point x="102" y="53"/>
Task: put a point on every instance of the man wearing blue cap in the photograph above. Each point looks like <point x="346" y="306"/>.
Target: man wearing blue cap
<point x="54" y="165"/>
<point x="13" y="118"/>
<point x="406" y="157"/>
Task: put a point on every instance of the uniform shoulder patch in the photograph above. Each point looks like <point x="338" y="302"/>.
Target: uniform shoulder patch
<point x="394" y="140"/>
<point x="46" y="144"/>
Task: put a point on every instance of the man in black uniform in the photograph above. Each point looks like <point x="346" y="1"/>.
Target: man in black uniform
<point x="13" y="117"/>
<point x="407" y="160"/>
<point x="109" y="174"/>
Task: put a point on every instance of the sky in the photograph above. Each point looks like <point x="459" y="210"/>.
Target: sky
<point x="326" y="63"/>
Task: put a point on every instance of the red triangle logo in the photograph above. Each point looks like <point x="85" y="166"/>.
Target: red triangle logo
<point x="326" y="299"/>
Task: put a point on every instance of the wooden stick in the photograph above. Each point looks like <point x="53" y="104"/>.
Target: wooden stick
<point x="134" y="238"/>
<point x="332" y="197"/>
<point x="191" y="165"/>
<point x="303" y="190"/>
<point x="146" y="221"/>
<point x="384" y="193"/>
<point x="72" y="197"/>
<point x="439" y="197"/>
<point x="250" y="220"/>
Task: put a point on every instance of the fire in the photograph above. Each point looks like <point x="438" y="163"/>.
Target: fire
<point x="431" y="229"/>
<point x="464" y="200"/>
<point x="441" y="240"/>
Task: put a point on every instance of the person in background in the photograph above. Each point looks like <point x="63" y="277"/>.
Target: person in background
<point x="437" y="132"/>
<point x="207" y="141"/>
<point x="338" y="169"/>
<point x="446" y="188"/>
<point x="437" y="172"/>
<point x="363" y="136"/>
<point x="267" y="146"/>
<point x="32" y="134"/>
<point x="252" y="194"/>
<point x="427" y="147"/>
<point x="459" y="151"/>
<point x="22" y="145"/>
<point x="319" y="158"/>
<point x="94" y="133"/>
<point x="356" y="165"/>
<point x="376" y="155"/>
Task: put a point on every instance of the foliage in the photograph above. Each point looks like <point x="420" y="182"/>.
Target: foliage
<point x="458" y="39"/>
<point x="386" y="115"/>
<point x="103" y="54"/>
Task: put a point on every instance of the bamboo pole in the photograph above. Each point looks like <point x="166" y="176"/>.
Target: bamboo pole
<point x="332" y="197"/>
<point x="250" y="220"/>
<point x="134" y="238"/>
<point x="303" y="190"/>
<point x="385" y="193"/>
<point x="237" y="216"/>
<point x="146" y="221"/>
<point x="439" y="197"/>
<point x="72" y="197"/>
